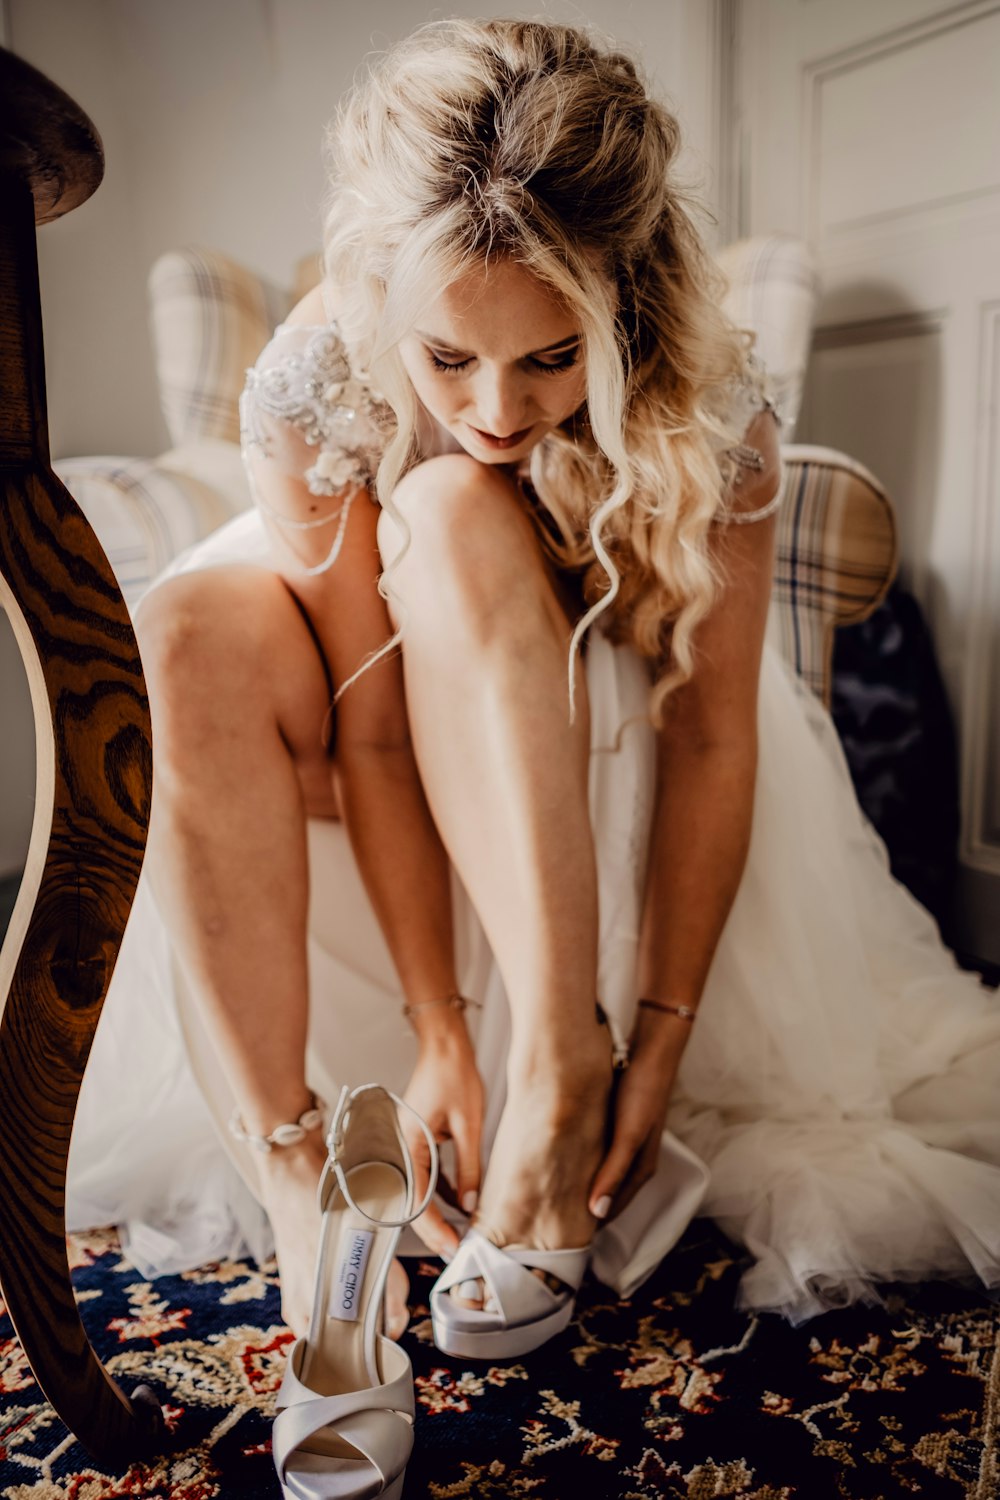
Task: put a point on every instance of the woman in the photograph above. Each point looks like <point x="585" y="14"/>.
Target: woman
<point x="577" y="788"/>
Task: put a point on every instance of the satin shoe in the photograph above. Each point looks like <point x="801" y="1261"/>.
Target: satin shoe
<point x="344" y="1429"/>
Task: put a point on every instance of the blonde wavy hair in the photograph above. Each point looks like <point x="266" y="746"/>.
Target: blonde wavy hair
<point x="473" y="139"/>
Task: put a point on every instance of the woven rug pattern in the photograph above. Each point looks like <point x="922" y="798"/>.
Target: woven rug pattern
<point x="674" y="1393"/>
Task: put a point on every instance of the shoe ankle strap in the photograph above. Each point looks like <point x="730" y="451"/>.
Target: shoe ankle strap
<point x="334" y="1143"/>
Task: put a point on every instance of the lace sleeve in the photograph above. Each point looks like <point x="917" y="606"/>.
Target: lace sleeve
<point x="306" y="416"/>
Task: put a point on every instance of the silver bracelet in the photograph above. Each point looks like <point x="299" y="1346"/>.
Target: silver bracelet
<point x="454" y="1000"/>
<point x="281" y="1135"/>
<point x="686" y="1012"/>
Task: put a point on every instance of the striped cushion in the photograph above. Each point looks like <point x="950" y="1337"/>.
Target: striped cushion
<point x="773" y="289"/>
<point x="211" y="318"/>
<point x="836" y="557"/>
<point x="144" y="512"/>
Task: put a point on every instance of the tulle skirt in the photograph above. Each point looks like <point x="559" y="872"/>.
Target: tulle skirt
<point x="837" y="1109"/>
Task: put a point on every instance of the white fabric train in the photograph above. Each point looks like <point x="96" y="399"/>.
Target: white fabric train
<point x="838" y="1107"/>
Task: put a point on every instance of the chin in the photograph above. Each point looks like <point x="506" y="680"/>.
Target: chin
<point x="497" y="460"/>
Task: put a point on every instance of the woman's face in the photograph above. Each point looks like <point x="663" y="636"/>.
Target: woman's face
<point x="497" y="359"/>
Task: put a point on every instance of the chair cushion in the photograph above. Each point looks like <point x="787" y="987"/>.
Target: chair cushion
<point x="211" y="317"/>
<point x="836" y="556"/>
<point x="145" y="513"/>
<point x="773" y="289"/>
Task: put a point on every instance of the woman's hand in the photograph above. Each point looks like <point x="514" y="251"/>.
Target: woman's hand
<point x="639" y="1110"/>
<point x="446" y="1090"/>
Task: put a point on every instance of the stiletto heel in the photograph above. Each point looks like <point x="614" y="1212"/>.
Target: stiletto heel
<point x="344" y="1428"/>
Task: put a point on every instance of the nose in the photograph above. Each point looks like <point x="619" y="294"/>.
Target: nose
<point x="500" y="403"/>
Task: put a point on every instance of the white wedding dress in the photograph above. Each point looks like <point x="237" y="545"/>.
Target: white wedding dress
<point x="838" y="1105"/>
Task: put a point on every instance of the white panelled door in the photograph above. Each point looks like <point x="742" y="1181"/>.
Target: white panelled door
<point x="872" y="129"/>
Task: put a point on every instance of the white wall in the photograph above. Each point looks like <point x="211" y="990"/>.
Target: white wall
<point x="873" y="132"/>
<point x="212" y="115"/>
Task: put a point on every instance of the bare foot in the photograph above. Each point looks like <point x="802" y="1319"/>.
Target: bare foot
<point x="549" y="1144"/>
<point x="291" y="1177"/>
<point x="397" y="1292"/>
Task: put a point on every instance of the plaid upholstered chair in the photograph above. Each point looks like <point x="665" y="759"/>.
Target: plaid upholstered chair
<point x="836" y="549"/>
<point x="836" y="543"/>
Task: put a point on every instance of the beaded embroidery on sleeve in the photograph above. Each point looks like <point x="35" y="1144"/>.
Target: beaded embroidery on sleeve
<point x="303" y="386"/>
<point x="747" y="403"/>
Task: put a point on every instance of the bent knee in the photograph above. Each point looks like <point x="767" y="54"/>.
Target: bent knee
<point x="456" y="513"/>
<point x="451" y="477"/>
<point x="192" y="618"/>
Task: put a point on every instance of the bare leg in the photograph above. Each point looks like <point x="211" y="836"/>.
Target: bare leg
<point x="485" y="656"/>
<point x="238" y="697"/>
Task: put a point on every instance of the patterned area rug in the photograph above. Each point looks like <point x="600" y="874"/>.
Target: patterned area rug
<point x="671" y="1394"/>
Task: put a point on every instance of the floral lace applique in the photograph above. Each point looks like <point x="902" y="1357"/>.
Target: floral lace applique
<point x="311" y="387"/>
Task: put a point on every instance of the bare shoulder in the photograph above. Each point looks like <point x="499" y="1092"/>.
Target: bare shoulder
<point x="317" y="307"/>
<point x="310" y="311"/>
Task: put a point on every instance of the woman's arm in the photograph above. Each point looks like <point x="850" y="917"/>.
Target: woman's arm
<point x="700" y="834"/>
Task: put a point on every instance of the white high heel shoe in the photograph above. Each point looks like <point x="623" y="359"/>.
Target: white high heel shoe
<point x="520" y="1311"/>
<point x="344" y="1429"/>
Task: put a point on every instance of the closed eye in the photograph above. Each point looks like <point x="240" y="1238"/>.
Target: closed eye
<point x="449" y="366"/>
<point x="452" y="364"/>
<point x="564" y="361"/>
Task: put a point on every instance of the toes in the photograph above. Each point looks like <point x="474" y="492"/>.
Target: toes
<point x="473" y="1294"/>
<point x="469" y="1294"/>
<point x="552" y="1282"/>
<point x="397" y="1290"/>
<point x="296" y="1320"/>
<point x="397" y="1317"/>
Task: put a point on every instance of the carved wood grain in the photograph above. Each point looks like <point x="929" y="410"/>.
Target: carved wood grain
<point x="94" y="781"/>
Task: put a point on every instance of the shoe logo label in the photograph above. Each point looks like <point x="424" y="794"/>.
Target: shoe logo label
<point x="345" y="1299"/>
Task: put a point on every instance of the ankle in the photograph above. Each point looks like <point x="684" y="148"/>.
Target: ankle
<point x="563" y="1079"/>
<point x="278" y="1125"/>
<point x="294" y="1167"/>
<point x="562" y="1060"/>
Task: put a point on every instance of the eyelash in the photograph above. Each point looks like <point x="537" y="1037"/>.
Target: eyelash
<point x="565" y="362"/>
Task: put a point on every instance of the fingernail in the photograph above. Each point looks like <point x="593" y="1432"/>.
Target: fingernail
<point x="602" y="1207"/>
<point x="470" y="1290"/>
<point x="469" y="1201"/>
<point x="446" y="1254"/>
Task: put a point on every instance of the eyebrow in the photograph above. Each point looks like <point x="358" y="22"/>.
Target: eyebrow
<point x="566" y="343"/>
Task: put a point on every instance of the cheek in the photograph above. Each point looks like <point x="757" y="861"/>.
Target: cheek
<point x="442" y="398"/>
<point x="430" y="391"/>
<point x="571" y="396"/>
